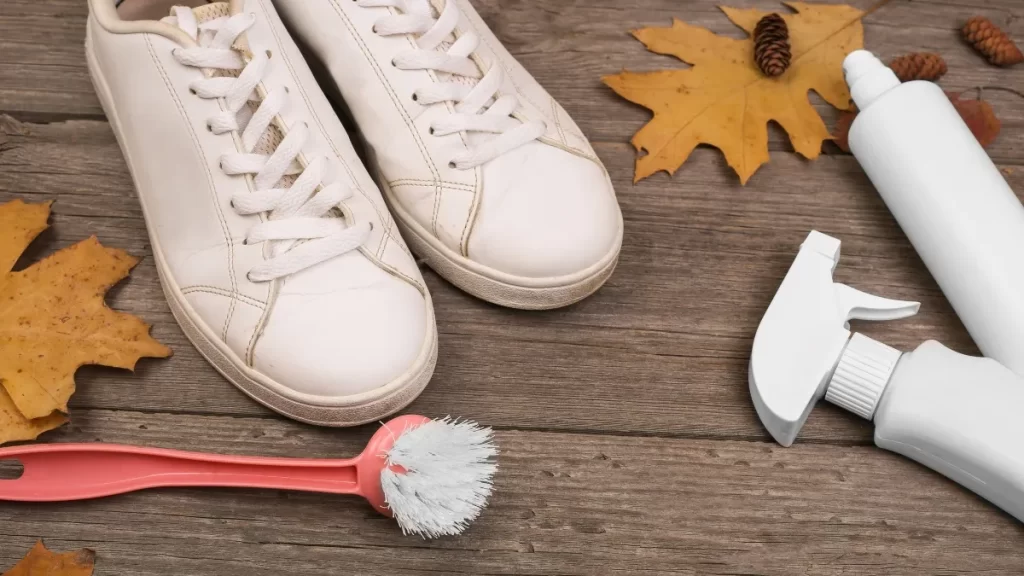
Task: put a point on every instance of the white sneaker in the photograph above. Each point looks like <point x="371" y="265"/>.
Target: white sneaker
<point x="489" y="179"/>
<point x="275" y="249"/>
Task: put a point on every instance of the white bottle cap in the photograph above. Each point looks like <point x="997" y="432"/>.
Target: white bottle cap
<point x="867" y="77"/>
<point x="861" y="376"/>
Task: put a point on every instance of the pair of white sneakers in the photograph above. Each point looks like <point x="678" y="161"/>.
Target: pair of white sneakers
<point x="278" y="254"/>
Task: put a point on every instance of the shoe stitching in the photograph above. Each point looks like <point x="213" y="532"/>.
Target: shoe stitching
<point x="474" y="189"/>
<point x="388" y="88"/>
<point x="213" y="189"/>
<point x="385" y="234"/>
<point x="436" y="170"/>
<point x="474" y="206"/>
<point x="261" y="324"/>
<point x="392" y="268"/>
<point x="389" y="226"/>
<point x="572" y="150"/>
<point x="389" y="229"/>
<point x="398" y="239"/>
<point x="438" y="183"/>
<point x="558" y="122"/>
<point x="497" y="55"/>
<point x="417" y="182"/>
<point x="509" y="68"/>
<point x="415" y="133"/>
<point x="222" y="292"/>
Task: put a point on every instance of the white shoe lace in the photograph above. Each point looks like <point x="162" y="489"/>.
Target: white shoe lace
<point x="301" y="227"/>
<point x="479" y="107"/>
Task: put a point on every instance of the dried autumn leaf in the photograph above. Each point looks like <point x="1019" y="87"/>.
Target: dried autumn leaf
<point x="41" y="562"/>
<point x="977" y="114"/>
<point x="15" y="427"/>
<point x="53" y="318"/>
<point x="724" y="99"/>
<point x="979" y="117"/>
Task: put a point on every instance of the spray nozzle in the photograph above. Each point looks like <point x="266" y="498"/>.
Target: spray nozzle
<point x="805" y="334"/>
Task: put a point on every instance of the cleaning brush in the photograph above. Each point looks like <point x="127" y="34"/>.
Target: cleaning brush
<point x="433" y="476"/>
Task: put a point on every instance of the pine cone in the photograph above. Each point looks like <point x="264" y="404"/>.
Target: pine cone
<point x="771" y="45"/>
<point x="918" y="66"/>
<point x="992" y="42"/>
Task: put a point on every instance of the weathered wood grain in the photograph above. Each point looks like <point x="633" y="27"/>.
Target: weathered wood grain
<point x="568" y="46"/>
<point x="583" y="505"/>
<point x="629" y="442"/>
<point x="662" y="349"/>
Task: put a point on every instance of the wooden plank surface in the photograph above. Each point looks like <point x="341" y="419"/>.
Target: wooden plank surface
<point x="568" y="49"/>
<point x="630" y="445"/>
<point x="699" y="247"/>
<point x="565" y="504"/>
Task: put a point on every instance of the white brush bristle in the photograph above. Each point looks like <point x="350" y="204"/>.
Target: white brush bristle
<point x="449" y="469"/>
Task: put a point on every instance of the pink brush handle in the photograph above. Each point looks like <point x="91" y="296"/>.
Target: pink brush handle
<point x="55" y="472"/>
<point x="58" y="472"/>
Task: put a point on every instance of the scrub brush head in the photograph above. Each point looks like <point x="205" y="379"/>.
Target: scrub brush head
<point x="439" y="476"/>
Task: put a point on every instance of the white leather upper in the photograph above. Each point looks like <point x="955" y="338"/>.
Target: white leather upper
<point x="546" y="209"/>
<point x="342" y="327"/>
<point x="545" y="213"/>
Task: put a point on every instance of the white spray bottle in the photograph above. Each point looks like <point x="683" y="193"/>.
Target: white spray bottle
<point x="959" y="415"/>
<point x="950" y="199"/>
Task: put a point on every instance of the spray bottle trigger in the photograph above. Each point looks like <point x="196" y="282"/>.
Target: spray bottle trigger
<point x="854" y="304"/>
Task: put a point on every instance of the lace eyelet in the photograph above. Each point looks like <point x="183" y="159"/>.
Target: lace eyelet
<point x="269" y="54"/>
<point x="374" y="29"/>
<point x="209" y="129"/>
<point x="245" y="241"/>
<point x="192" y="91"/>
<point x="393" y="63"/>
<point x="415" y="97"/>
<point x="452" y="165"/>
<point x="431" y="130"/>
<point x="248" y="276"/>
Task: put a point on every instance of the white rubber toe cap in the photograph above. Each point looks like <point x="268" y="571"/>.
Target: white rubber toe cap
<point x="355" y="337"/>
<point x="544" y="213"/>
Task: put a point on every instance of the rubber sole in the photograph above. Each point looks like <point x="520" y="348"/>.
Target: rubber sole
<point x="492" y="285"/>
<point x="352" y="410"/>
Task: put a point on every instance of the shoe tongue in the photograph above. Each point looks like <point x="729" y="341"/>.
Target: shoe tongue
<point x="273" y="136"/>
<point x="202" y="14"/>
<point x="212" y="11"/>
<point x="208" y="12"/>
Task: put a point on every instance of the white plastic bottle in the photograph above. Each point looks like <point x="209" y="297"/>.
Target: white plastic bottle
<point x="957" y="414"/>
<point x="950" y="199"/>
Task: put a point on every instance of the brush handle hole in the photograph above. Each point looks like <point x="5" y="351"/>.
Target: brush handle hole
<point x="11" y="469"/>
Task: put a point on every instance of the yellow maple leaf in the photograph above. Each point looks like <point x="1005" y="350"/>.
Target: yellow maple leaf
<point x="41" y="562"/>
<point x="15" y="427"/>
<point x="53" y="320"/>
<point x="724" y="99"/>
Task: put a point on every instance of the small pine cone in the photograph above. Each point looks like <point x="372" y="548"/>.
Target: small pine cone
<point x="992" y="42"/>
<point x="771" y="45"/>
<point x="918" y="66"/>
